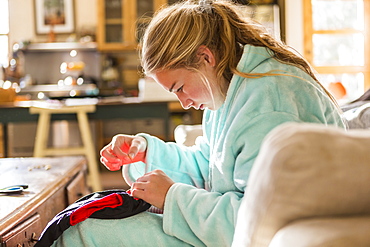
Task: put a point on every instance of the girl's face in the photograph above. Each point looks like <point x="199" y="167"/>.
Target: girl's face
<point x="195" y="89"/>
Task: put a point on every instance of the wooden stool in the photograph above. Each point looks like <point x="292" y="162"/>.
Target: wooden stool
<point x="87" y="149"/>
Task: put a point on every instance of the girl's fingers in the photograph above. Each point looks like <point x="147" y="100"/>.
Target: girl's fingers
<point x="136" y="146"/>
<point x="109" y="156"/>
<point x="138" y="186"/>
<point x="137" y="193"/>
<point x="122" y="150"/>
<point x="112" y="164"/>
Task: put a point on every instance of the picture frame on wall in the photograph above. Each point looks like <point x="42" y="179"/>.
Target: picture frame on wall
<point x="55" y="15"/>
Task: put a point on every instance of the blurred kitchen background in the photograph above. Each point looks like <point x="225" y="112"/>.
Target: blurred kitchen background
<point x="58" y="50"/>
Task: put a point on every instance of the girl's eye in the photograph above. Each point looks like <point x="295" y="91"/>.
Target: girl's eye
<point x="180" y="89"/>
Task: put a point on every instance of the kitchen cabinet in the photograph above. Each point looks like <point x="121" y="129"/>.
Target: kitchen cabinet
<point x="120" y="22"/>
<point x="53" y="184"/>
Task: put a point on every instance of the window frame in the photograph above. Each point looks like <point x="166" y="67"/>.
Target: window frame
<point x="309" y="32"/>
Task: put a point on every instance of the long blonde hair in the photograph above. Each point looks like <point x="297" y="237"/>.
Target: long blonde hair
<point x="176" y="32"/>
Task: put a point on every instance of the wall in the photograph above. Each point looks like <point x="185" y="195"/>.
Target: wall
<point x="294" y="24"/>
<point x="22" y="24"/>
<point x="22" y="20"/>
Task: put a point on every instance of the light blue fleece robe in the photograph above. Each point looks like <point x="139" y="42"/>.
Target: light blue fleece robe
<point x="211" y="177"/>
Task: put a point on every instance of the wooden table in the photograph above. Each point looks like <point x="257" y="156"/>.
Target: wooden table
<point x="54" y="183"/>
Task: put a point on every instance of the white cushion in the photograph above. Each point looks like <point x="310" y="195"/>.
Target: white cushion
<point x="304" y="170"/>
<point x="187" y="134"/>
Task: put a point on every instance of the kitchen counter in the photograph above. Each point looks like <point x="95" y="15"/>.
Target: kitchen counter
<point x="106" y="109"/>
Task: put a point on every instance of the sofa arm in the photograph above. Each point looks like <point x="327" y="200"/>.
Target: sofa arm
<point x="325" y="232"/>
<point x="304" y="171"/>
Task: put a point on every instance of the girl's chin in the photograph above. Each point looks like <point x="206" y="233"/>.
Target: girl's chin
<point x="213" y="107"/>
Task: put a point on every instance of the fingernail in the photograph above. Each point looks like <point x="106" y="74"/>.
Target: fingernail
<point x="131" y="155"/>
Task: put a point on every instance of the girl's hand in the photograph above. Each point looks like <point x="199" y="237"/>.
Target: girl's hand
<point x="123" y="150"/>
<point x="152" y="188"/>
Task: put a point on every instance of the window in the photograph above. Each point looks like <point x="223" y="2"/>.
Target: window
<point x="336" y="43"/>
<point x="4" y="30"/>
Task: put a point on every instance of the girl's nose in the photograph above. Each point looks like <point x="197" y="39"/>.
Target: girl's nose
<point x="185" y="102"/>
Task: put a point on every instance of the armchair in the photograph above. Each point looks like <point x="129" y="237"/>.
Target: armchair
<point x="310" y="186"/>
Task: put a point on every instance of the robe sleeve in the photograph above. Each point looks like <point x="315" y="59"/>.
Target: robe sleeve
<point x="189" y="211"/>
<point x="188" y="165"/>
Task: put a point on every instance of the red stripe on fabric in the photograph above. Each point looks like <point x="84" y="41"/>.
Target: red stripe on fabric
<point x="112" y="201"/>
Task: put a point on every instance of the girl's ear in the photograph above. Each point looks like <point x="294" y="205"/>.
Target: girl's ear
<point x="206" y="54"/>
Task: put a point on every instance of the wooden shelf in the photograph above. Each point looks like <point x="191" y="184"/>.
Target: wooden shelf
<point x="60" y="46"/>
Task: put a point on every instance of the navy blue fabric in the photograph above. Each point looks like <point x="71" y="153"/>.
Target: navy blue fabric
<point x="61" y="221"/>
